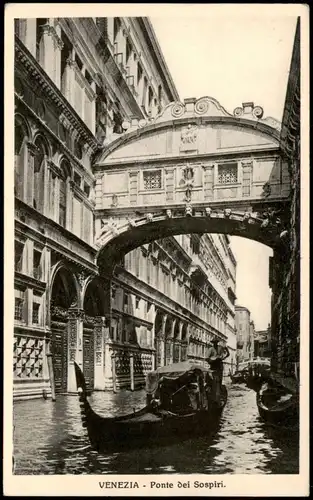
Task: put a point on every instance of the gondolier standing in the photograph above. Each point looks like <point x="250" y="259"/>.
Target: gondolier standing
<point x="216" y="355"/>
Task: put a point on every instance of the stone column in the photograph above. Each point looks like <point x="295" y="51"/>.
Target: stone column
<point x="215" y="181"/>
<point x="75" y="345"/>
<point x="101" y="333"/>
<point x="110" y="30"/>
<point x="69" y="205"/>
<point x="47" y="51"/>
<point x="30" y="38"/>
<point x="132" y="67"/>
<point x="46" y="188"/>
<point x="108" y="363"/>
<point x="121" y="44"/>
<point x="172" y="341"/>
<point x="208" y="182"/>
<point x="69" y="79"/>
<point x="181" y="324"/>
<point x="29" y="305"/>
<point x="57" y="199"/>
<point x="29" y="178"/>
<point x="161" y="342"/>
<point x="93" y="109"/>
<point x="29" y="257"/>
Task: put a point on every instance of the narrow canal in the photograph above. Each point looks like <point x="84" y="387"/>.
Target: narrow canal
<point x="49" y="439"/>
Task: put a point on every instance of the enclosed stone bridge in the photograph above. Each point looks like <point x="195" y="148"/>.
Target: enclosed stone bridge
<point x="194" y="168"/>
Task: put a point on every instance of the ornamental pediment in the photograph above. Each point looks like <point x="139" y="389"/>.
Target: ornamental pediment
<point x="200" y="126"/>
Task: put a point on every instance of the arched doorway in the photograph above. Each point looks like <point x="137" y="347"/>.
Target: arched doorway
<point x="93" y="308"/>
<point x="63" y="296"/>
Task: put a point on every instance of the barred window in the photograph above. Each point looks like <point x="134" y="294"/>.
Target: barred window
<point x="35" y="316"/>
<point x="18" y="309"/>
<point x="152" y="179"/>
<point x="228" y="174"/>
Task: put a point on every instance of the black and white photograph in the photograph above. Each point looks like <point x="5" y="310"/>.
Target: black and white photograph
<point x="157" y="335"/>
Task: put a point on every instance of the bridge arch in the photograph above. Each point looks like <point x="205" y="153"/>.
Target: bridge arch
<point x="195" y="168"/>
<point x="268" y="228"/>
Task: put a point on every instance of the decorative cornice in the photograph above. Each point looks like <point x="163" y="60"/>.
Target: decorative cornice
<point x="36" y="71"/>
<point x="24" y="280"/>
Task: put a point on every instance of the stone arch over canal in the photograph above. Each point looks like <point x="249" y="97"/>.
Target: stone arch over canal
<point x="195" y="168"/>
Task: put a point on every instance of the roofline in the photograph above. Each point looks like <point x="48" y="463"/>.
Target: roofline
<point x="136" y="133"/>
<point x="147" y="24"/>
<point x="242" y="308"/>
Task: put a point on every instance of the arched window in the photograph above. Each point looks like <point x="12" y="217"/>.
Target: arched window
<point x="39" y="172"/>
<point x="19" y="158"/>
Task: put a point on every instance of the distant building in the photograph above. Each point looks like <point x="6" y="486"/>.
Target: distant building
<point x="245" y="327"/>
<point x="251" y="340"/>
<point x="262" y="343"/>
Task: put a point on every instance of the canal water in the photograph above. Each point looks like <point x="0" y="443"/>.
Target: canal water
<point x="49" y="439"/>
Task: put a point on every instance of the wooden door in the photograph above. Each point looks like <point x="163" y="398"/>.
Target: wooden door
<point x="59" y="346"/>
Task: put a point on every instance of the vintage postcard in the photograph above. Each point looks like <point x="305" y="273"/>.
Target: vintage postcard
<point x="156" y="250"/>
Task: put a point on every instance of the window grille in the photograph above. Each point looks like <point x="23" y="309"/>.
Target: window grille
<point x="152" y="179"/>
<point x="18" y="309"/>
<point x="228" y="174"/>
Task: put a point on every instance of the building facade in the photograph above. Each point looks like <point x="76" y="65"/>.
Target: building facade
<point x="76" y="82"/>
<point x="245" y="334"/>
<point x="262" y="343"/>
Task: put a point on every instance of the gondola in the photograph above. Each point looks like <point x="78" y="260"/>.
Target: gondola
<point x="239" y="377"/>
<point x="166" y="415"/>
<point x="278" y="407"/>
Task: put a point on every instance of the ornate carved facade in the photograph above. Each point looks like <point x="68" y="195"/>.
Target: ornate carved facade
<point x="76" y="80"/>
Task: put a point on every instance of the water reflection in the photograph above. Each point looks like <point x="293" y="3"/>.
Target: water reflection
<point x="49" y="439"/>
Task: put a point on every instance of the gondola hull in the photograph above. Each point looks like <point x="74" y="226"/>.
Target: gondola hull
<point x="144" y="427"/>
<point x="283" y="414"/>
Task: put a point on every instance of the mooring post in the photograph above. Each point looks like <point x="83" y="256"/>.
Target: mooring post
<point x="113" y="374"/>
<point x="131" y="368"/>
<point x="51" y="375"/>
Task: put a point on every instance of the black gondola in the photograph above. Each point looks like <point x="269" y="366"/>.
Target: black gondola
<point x="278" y="407"/>
<point x="167" y="414"/>
<point x="239" y="377"/>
